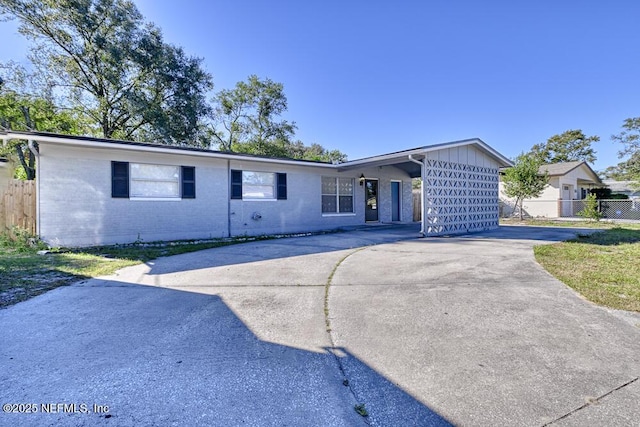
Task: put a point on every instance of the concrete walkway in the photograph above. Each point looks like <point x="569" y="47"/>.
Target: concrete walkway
<point x="466" y="330"/>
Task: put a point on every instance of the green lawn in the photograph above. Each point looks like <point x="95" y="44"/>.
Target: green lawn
<point x="24" y="273"/>
<point x="604" y="267"/>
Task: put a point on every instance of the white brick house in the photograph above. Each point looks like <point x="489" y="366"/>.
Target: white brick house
<point x="94" y="191"/>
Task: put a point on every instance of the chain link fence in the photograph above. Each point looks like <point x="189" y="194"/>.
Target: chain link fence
<point x="610" y="209"/>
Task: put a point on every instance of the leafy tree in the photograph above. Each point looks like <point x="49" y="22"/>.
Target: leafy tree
<point x="630" y="138"/>
<point x="627" y="170"/>
<point x="25" y="113"/>
<point x="315" y="152"/>
<point x="100" y="57"/>
<point x="524" y="180"/>
<point x="247" y="120"/>
<point x="569" y="146"/>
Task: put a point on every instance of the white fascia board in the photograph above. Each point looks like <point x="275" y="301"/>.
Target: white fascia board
<point x="159" y="149"/>
<point x="403" y="155"/>
<point x="392" y="158"/>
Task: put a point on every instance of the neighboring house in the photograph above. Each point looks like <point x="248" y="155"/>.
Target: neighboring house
<point x="567" y="181"/>
<point x="94" y="191"/>
<point x="623" y="187"/>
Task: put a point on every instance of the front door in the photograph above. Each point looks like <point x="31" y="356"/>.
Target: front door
<point x="371" y="200"/>
<point x="567" y="204"/>
<point x="395" y="201"/>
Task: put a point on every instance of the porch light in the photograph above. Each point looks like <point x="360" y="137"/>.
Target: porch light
<point x="361" y="179"/>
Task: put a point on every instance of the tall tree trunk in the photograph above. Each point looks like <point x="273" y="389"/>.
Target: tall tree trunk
<point x="29" y="163"/>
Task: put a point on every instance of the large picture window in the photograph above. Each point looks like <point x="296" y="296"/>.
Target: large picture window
<point x="151" y="181"/>
<point x="337" y="195"/>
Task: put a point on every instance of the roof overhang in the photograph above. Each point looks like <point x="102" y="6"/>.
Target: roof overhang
<point x="400" y="159"/>
<point x="99" y="143"/>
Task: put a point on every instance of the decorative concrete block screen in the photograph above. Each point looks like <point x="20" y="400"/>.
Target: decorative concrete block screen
<point x="460" y="198"/>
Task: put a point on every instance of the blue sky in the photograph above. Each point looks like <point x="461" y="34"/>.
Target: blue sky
<point x="370" y="77"/>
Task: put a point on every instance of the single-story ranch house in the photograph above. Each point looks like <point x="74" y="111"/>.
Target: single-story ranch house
<point x="93" y="191"/>
<point x="568" y="181"/>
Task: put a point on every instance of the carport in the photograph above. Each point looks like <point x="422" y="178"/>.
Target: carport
<point x="458" y="181"/>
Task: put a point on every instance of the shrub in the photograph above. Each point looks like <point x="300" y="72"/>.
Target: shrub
<point x="590" y="210"/>
<point x="20" y="240"/>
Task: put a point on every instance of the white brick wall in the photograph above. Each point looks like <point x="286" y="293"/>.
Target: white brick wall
<point x="76" y="207"/>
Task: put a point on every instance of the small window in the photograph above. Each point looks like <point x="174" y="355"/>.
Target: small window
<point x="337" y="195"/>
<point x="251" y="185"/>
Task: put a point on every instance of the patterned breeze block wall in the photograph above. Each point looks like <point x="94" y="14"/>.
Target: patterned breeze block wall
<point x="460" y="198"/>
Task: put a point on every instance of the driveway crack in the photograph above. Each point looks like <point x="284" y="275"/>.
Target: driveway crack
<point x="591" y="402"/>
<point x="335" y="351"/>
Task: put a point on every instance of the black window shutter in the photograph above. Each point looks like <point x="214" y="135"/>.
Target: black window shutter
<point x="120" y="179"/>
<point x="236" y="184"/>
<point x="282" y="186"/>
<point x="188" y="182"/>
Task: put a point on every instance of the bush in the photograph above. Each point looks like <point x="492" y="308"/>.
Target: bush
<point x="590" y="210"/>
<point x="20" y="240"/>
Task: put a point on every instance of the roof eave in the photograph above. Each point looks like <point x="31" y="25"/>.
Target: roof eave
<point x="403" y="155"/>
<point x="168" y="149"/>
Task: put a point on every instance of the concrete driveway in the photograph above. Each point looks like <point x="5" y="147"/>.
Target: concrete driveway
<point x="465" y="330"/>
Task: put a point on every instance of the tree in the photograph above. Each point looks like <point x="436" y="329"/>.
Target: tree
<point x="630" y="139"/>
<point x="569" y="146"/>
<point x="25" y="113"/>
<point x="246" y="119"/>
<point x="100" y="57"/>
<point x="524" y="179"/>
<point x="315" y="152"/>
<point x="628" y="170"/>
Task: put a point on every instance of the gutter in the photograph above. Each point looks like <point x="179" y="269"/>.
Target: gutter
<point x="423" y="204"/>
<point x="36" y="153"/>
<point x="160" y="149"/>
<point x="228" y="198"/>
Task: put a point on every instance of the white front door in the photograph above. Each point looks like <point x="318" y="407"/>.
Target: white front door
<point x="567" y="204"/>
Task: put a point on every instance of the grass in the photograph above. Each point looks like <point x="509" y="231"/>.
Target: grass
<point x="541" y="222"/>
<point x="604" y="266"/>
<point x="24" y="273"/>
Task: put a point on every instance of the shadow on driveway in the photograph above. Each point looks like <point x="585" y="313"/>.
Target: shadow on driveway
<point x="158" y="356"/>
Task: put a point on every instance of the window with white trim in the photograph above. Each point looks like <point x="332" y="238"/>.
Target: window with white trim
<point x="152" y="181"/>
<point x="155" y="181"/>
<point x="252" y="185"/>
<point x="337" y="195"/>
<point x="258" y="185"/>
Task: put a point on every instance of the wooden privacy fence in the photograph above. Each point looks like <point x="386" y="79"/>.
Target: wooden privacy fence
<point x="18" y="206"/>
<point x="417" y="205"/>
